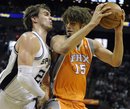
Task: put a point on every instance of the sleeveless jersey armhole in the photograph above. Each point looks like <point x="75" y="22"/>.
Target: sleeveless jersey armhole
<point x="91" y="46"/>
<point x="15" y="49"/>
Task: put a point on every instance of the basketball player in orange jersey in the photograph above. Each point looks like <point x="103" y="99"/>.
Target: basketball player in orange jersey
<point x="70" y="81"/>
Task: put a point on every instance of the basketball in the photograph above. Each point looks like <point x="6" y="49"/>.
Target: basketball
<point x="113" y="20"/>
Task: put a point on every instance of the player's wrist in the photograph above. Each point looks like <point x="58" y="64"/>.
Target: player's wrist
<point x="92" y="24"/>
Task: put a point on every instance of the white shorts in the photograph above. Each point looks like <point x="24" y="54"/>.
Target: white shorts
<point x="6" y="102"/>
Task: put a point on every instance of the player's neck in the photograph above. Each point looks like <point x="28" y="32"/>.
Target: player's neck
<point x="42" y="33"/>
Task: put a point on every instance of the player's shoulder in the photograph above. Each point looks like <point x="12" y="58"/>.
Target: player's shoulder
<point x="28" y="37"/>
<point x="57" y="38"/>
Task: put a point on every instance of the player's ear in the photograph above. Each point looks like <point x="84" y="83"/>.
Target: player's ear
<point x="34" y="19"/>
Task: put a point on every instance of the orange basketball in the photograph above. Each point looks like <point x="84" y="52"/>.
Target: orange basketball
<point x="113" y="20"/>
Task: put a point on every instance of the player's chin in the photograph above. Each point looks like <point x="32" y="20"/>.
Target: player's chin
<point x="49" y="28"/>
<point x="69" y="33"/>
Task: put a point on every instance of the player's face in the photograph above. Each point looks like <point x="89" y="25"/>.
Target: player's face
<point x="72" y="27"/>
<point x="45" y="19"/>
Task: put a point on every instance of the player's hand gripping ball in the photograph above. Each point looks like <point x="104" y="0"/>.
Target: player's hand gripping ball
<point x="113" y="20"/>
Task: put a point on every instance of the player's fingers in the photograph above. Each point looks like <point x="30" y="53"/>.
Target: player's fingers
<point x="106" y="14"/>
<point x="105" y="9"/>
<point x="123" y="14"/>
<point x="100" y="6"/>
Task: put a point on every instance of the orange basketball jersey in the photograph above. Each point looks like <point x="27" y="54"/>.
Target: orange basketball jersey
<point x="70" y="81"/>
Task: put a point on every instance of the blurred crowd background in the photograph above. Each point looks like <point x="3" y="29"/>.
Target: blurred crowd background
<point x="109" y="85"/>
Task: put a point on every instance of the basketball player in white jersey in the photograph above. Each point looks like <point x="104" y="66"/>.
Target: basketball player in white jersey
<point x="28" y="63"/>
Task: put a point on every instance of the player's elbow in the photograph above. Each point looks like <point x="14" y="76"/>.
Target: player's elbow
<point x="116" y="63"/>
<point x="65" y="50"/>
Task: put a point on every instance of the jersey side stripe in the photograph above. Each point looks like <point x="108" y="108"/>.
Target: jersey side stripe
<point x="7" y="80"/>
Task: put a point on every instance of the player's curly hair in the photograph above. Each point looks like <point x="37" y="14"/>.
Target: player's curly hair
<point x="77" y="14"/>
<point x="32" y="11"/>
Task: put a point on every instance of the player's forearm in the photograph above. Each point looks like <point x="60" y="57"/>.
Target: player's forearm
<point x="28" y="82"/>
<point x="76" y="38"/>
<point x="118" y="48"/>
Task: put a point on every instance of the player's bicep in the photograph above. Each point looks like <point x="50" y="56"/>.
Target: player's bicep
<point x="26" y="53"/>
<point x="25" y="57"/>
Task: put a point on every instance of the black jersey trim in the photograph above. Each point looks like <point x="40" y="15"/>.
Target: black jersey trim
<point x="9" y="78"/>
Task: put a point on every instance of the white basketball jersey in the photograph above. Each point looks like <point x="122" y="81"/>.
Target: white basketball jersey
<point x="8" y="80"/>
